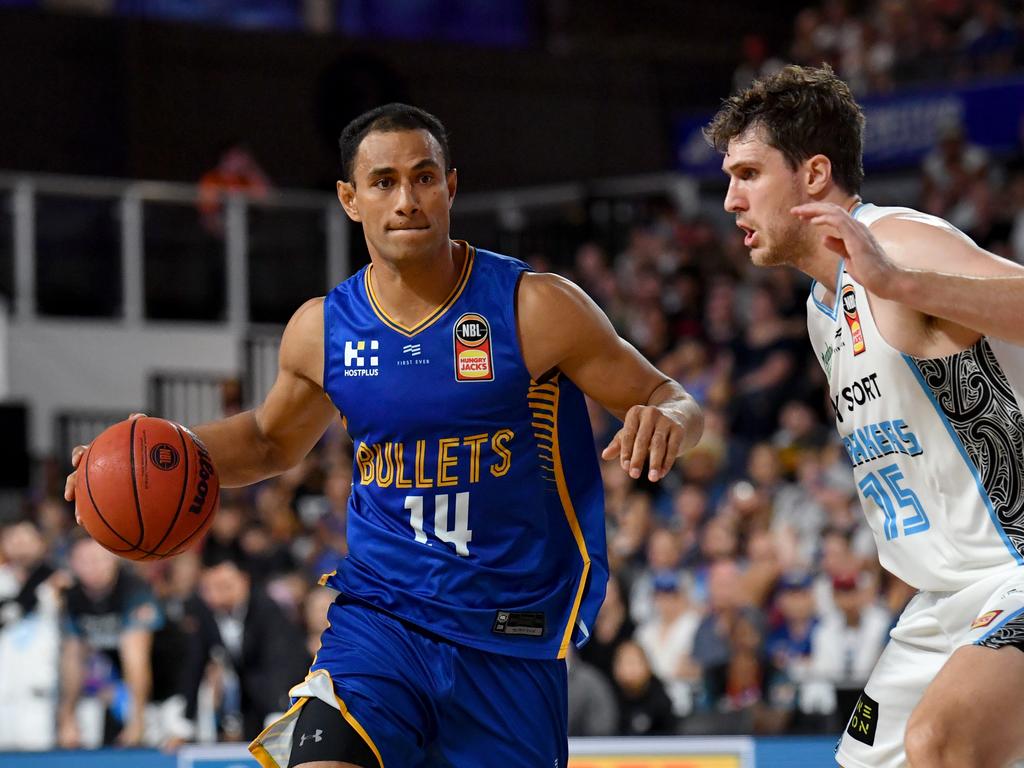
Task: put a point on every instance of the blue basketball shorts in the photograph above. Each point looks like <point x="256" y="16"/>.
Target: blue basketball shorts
<point x="424" y="702"/>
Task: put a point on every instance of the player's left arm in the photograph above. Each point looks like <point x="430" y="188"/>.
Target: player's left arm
<point x="560" y="327"/>
<point x="934" y="270"/>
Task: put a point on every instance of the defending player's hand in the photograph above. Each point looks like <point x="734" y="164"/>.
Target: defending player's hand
<point x="648" y="434"/>
<point x="866" y="261"/>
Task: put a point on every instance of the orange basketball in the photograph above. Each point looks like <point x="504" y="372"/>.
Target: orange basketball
<point x="146" y="489"/>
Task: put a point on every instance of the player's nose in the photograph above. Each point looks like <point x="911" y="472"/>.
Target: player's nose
<point x="734" y="201"/>
<point x="407" y="202"/>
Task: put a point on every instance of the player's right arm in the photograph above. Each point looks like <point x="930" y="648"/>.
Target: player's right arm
<point x="276" y="435"/>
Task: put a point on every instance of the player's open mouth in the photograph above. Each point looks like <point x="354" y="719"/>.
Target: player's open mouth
<point x="749" y="235"/>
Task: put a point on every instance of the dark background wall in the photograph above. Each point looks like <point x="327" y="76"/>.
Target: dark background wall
<point x="152" y="100"/>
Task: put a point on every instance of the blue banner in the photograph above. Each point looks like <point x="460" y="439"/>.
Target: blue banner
<point x="901" y="128"/>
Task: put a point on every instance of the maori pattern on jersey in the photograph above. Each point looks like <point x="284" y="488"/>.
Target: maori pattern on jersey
<point x="974" y="394"/>
<point x="1011" y="633"/>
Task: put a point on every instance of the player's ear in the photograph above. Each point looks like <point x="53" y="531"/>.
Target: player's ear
<point x="347" y="197"/>
<point x="817" y="174"/>
<point x="452" y="180"/>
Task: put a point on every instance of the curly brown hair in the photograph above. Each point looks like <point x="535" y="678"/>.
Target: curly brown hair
<point x="802" y="112"/>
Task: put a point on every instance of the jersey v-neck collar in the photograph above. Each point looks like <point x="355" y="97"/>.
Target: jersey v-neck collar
<point x="436" y="313"/>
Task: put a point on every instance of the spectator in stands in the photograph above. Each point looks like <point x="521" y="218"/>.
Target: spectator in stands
<point x="789" y="643"/>
<point x="949" y="172"/>
<point x="989" y="39"/>
<point x="612" y="628"/>
<point x="764" y="358"/>
<point x="314" y="616"/>
<point x="265" y="650"/>
<point x="847" y="641"/>
<point x="713" y="644"/>
<point x="29" y="639"/>
<point x="106" y="664"/>
<point x="667" y="639"/>
<point x="593" y="710"/>
<point x="236" y="171"/>
<point x="171" y="715"/>
<point x="644" y="707"/>
<point x="663" y="556"/>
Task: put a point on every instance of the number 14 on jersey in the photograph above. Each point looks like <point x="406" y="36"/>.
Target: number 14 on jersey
<point x="460" y="535"/>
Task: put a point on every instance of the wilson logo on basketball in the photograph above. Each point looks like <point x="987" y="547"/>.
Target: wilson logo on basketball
<point x="472" y="339"/>
<point x="164" y="456"/>
<point x="203" y="488"/>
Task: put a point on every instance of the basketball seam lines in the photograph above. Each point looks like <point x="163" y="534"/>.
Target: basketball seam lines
<point x="135" y="488"/>
<point x="99" y="513"/>
<point x="177" y="550"/>
<point x="184" y="487"/>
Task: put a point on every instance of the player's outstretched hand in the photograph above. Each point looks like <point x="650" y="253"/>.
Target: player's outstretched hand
<point x="76" y="458"/>
<point x="648" y="433"/>
<point x="866" y="262"/>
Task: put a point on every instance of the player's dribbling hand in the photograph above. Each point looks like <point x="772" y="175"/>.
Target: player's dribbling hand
<point x="647" y="433"/>
<point x="76" y="458"/>
<point x="866" y="261"/>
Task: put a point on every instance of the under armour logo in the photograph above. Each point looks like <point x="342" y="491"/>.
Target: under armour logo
<point x="318" y="736"/>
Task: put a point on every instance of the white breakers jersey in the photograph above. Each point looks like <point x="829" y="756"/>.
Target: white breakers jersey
<point x="937" y="445"/>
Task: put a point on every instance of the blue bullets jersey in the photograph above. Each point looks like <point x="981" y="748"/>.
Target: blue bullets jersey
<point x="477" y="509"/>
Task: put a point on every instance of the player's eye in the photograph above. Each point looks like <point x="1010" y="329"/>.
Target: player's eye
<point x="426" y="178"/>
<point x="747" y="174"/>
<point x="384" y="183"/>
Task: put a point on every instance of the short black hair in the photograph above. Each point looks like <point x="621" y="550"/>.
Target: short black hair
<point x="803" y="111"/>
<point x="390" y="117"/>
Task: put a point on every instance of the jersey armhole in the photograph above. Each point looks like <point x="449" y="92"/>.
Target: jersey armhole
<point x="548" y="374"/>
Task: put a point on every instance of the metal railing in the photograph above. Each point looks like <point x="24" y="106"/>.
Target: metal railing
<point x="140" y="250"/>
<point x="145" y="250"/>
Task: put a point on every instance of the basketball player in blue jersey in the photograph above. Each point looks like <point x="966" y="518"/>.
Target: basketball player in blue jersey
<point x="919" y="334"/>
<point x="476" y="519"/>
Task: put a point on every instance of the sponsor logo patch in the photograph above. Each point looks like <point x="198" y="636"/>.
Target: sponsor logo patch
<point x="864" y="721"/>
<point x="472" y="339"/>
<point x="164" y="456"/>
<point x="853" y="319"/>
<point x="985" y="619"/>
<point x="358" y="362"/>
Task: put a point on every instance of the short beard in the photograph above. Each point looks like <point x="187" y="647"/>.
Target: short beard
<point x="791" y="247"/>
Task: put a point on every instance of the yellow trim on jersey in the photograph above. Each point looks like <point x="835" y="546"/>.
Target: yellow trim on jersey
<point x="429" y="320"/>
<point x="322" y="581"/>
<point x="359" y="729"/>
<point x="266" y="760"/>
<point x="570" y="516"/>
<point x="256" y="748"/>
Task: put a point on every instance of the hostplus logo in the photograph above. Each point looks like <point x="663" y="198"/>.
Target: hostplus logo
<point x="357" y="363"/>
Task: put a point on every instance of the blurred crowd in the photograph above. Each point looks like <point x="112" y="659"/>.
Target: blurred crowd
<point x="876" y="45"/>
<point x="745" y="595"/>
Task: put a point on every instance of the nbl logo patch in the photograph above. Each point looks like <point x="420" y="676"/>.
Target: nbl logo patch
<point x="472" y="339"/>
<point x="853" y="319"/>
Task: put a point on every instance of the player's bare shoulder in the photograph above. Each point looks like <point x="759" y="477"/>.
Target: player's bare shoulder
<point x="919" y="241"/>
<point x="555" y="316"/>
<point x="302" y="345"/>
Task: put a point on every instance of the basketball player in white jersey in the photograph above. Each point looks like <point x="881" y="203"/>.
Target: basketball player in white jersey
<point x="920" y="334"/>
